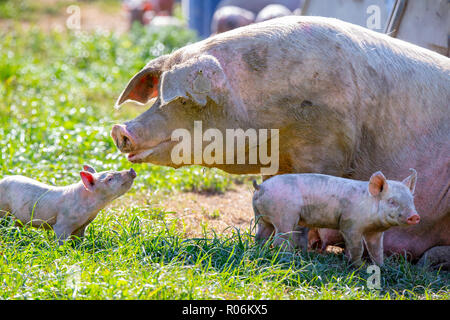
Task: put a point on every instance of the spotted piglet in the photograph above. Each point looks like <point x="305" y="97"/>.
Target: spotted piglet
<point x="289" y="204"/>
<point x="67" y="210"/>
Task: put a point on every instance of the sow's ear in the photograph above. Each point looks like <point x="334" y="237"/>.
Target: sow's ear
<point x="410" y="181"/>
<point x="377" y="183"/>
<point x="144" y="85"/>
<point x="196" y="79"/>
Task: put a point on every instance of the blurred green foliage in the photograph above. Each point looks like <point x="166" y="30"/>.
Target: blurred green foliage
<point x="57" y="92"/>
<point x="31" y="10"/>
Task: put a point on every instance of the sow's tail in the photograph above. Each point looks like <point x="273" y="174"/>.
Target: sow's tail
<point x="255" y="185"/>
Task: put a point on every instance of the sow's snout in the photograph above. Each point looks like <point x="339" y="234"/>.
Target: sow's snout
<point x="124" y="139"/>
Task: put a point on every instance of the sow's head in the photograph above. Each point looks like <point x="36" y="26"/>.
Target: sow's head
<point x="183" y="94"/>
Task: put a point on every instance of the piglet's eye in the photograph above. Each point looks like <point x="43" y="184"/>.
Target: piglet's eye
<point x="392" y="202"/>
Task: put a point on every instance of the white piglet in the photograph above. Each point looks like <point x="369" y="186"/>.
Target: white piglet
<point x="67" y="210"/>
<point x="361" y="210"/>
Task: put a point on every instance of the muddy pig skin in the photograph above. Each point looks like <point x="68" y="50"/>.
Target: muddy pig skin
<point x="67" y="210"/>
<point x="347" y="101"/>
<point x="289" y="204"/>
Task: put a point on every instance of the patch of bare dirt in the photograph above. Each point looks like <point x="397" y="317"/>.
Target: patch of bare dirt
<point x="218" y="212"/>
<point x="215" y="212"/>
<point x="93" y="18"/>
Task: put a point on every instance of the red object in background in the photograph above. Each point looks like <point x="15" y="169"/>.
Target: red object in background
<point x="147" y="6"/>
<point x="163" y="7"/>
<point x="144" y="10"/>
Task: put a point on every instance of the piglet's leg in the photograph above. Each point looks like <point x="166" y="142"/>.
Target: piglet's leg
<point x="374" y="244"/>
<point x="265" y="231"/>
<point x="80" y="231"/>
<point x="353" y="245"/>
<point x="285" y="240"/>
<point x="62" y="232"/>
<point x="285" y="231"/>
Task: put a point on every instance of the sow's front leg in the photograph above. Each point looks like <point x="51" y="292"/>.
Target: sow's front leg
<point x="436" y="257"/>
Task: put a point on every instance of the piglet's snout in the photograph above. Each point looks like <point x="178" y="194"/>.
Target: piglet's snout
<point x="413" y="219"/>
<point x="132" y="173"/>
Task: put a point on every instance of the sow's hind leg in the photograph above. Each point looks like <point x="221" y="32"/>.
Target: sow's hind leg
<point x="436" y="258"/>
<point x="4" y="203"/>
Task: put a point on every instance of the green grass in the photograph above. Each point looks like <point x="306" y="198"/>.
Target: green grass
<point x="136" y="253"/>
<point x="56" y="96"/>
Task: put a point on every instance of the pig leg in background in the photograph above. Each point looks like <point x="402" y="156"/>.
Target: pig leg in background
<point x="265" y="231"/>
<point x="353" y="246"/>
<point x="329" y="237"/>
<point x="436" y="257"/>
<point x="314" y="241"/>
<point x="374" y="244"/>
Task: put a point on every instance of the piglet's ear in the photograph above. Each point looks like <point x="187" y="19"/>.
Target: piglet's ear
<point x="410" y="181"/>
<point x="88" y="180"/>
<point x="88" y="168"/>
<point x="377" y="184"/>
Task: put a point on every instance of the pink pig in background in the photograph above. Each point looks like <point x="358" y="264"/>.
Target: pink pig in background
<point x="360" y="210"/>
